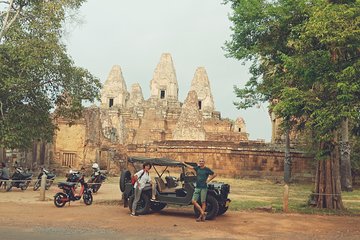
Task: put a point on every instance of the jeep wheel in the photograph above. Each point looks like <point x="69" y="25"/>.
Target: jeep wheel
<point x="157" y="206"/>
<point x="143" y="205"/>
<point x="125" y="177"/>
<point x="222" y="210"/>
<point x="212" y="208"/>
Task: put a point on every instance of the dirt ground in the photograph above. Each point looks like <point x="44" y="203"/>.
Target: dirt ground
<point x="23" y="216"/>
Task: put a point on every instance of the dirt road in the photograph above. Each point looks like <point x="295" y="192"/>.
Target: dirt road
<point x="22" y="216"/>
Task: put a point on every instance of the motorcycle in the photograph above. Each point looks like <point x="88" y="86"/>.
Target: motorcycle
<point x="50" y="177"/>
<point x="69" y="193"/>
<point x="73" y="176"/>
<point x="97" y="178"/>
<point x="20" y="179"/>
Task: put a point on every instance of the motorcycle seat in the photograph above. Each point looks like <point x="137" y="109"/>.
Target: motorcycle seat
<point x="50" y="175"/>
<point x="68" y="184"/>
<point x="27" y="175"/>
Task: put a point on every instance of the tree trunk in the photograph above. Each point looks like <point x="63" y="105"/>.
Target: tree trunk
<point x="287" y="160"/>
<point x="2" y="154"/>
<point x="345" y="163"/>
<point x="8" y="19"/>
<point x="273" y="127"/>
<point x="327" y="185"/>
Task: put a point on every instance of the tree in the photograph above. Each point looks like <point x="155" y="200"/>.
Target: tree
<point x="260" y="33"/>
<point x="36" y="74"/>
<point x="331" y="39"/>
<point x="313" y="86"/>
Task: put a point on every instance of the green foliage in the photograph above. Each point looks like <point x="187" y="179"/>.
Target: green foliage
<point x="37" y="76"/>
<point x="306" y="59"/>
<point x="260" y="33"/>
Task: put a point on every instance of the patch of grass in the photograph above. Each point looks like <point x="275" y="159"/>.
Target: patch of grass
<point x="248" y="194"/>
<point x="237" y="205"/>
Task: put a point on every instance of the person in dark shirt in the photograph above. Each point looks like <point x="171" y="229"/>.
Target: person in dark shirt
<point x="203" y="176"/>
<point x="4" y="173"/>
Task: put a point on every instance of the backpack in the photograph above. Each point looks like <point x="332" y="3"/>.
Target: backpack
<point x="133" y="179"/>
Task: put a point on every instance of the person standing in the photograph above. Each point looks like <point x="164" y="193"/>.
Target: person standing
<point x="4" y="174"/>
<point x="141" y="178"/>
<point x="203" y="176"/>
<point x="96" y="171"/>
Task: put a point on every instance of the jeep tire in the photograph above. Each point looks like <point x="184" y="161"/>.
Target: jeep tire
<point x="125" y="177"/>
<point x="222" y="210"/>
<point x="212" y="208"/>
<point x="143" y="205"/>
<point x="157" y="206"/>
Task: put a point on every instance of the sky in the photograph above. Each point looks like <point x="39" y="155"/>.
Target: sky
<point x="134" y="34"/>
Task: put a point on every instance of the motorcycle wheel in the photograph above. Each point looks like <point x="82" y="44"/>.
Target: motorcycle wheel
<point x="96" y="187"/>
<point x="88" y="199"/>
<point x="48" y="185"/>
<point x="36" y="185"/>
<point x="58" y="199"/>
<point x="9" y="186"/>
<point x="25" y="186"/>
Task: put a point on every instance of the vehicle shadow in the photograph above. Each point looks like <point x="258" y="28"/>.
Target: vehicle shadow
<point x="179" y="212"/>
<point x="186" y="213"/>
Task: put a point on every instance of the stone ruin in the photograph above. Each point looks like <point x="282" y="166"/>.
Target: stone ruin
<point x="164" y="84"/>
<point x="190" y="124"/>
<point x="127" y="124"/>
<point x="201" y="85"/>
<point x="127" y="118"/>
<point x="114" y="92"/>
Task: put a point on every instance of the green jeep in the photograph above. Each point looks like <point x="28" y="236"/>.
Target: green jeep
<point x="174" y="190"/>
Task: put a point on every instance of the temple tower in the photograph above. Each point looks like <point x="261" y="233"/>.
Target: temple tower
<point x="240" y="125"/>
<point x="136" y="96"/>
<point x="190" y="124"/>
<point x="114" y="92"/>
<point x="201" y="85"/>
<point x="164" y="84"/>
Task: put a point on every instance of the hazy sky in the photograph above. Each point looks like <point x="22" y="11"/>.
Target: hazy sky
<point x="134" y="34"/>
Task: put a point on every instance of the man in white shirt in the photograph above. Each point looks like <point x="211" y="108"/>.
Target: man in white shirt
<point x="141" y="178"/>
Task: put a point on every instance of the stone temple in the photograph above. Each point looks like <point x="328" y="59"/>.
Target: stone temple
<point x="128" y="124"/>
<point x="128" y="118"/>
